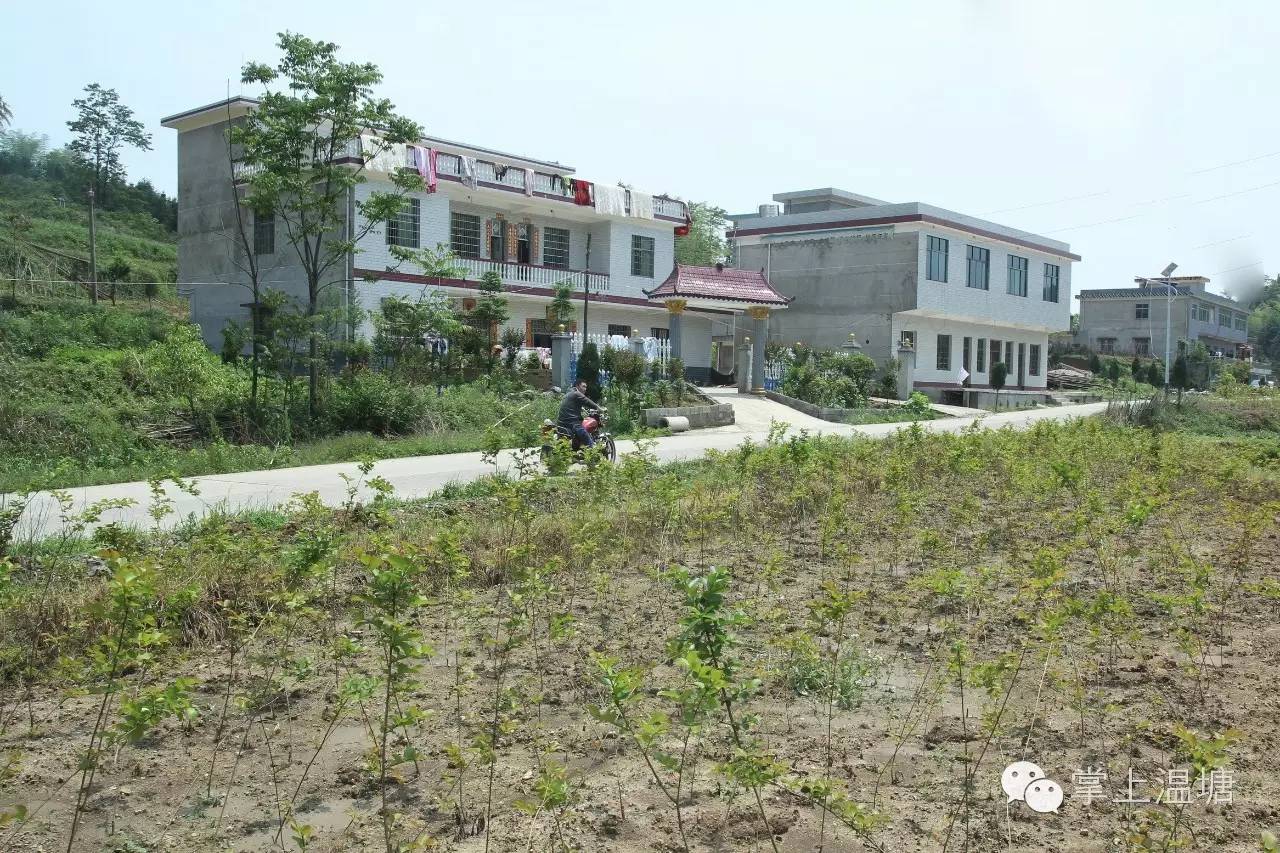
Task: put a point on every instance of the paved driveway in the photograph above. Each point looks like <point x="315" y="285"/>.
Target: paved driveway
<point x="421" y="475"/>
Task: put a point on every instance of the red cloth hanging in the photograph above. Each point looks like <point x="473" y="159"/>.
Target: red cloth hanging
<point x="582" y="192"/>
<point x="683" y="230"/>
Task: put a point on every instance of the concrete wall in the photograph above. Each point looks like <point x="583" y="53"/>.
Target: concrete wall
<point x="1115" y="318"/>
<point x="838" y="282"/>
<point x="210" y="254"/>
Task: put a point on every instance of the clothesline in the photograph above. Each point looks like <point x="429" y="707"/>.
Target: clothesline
<point x="607" y="200"/>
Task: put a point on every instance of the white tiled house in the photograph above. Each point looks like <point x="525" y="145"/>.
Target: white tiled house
<point x="965" y="291"/>
<point x="517" y="216"/>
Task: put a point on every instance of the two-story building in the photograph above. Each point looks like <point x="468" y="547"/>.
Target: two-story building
<point x="964" y="292"/>
<point x="532" y="221"/>
<point x="1132" y="320"/>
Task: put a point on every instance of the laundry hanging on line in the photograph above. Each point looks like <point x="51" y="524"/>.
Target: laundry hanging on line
<point x="641" y="205"/>
<point x="611" y="201"/>
<point x="581" y="192"/>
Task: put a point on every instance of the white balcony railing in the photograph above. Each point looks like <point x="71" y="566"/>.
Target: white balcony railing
<point x="489" y="172"/>
<point x="530" y="275"/>
<point x="668" y="207"/>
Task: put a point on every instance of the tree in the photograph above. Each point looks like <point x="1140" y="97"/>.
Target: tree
<point x="999" y="373"/>
<point x="704" y="245"/>
<point x="1179" y="376"/>
<point x="491" y="306"/>
<point x="118" y="270"/>
<point x="102" y="127"/>
<point x="1095" y="364"/>
<point x="1155" y="374"/>
<point x="562" y="304"/>
<point x="1113" y="370"/>
<point x="312" y="107"/>
<point x="1135" y="369"/>
<point x="589" y="370"/>
<point x="6" y="114"/>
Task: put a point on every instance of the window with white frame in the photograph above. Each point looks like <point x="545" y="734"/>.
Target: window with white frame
<point x="1242" y="323"/>
<point x="936" y="259"/>
<point x="1050" y="291"/>
<point x="1224" y="317"/>
<point x="1142" y="346"/>
<point x="403" y="228"/>
<point x="981" y="366"/>
<point x="464" y="235"/>
<point x="555" y="247"/>
<point x="1033" y="360"/>
<point x="907" y="338"/>
<point x="1017" y="275"/>
<point x="944" y="352"/>
<point x="1141" y="310"/>
<point x="642" y="256"/>
<point x="979" y="268"/>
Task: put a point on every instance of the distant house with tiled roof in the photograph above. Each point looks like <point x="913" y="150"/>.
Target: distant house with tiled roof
<point x="1131" y="320"/>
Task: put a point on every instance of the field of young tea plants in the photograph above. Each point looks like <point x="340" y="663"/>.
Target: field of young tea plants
<point x="804" y="645"/>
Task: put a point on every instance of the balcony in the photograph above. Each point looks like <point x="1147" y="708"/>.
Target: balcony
<point x="349" y="153"/>
<point x="545" y="185"/>
<point x="515" y="276"/>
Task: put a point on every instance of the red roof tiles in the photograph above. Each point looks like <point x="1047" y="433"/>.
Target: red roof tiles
<point x="718" y="283"/>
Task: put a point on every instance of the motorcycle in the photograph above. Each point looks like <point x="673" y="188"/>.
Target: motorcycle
<point x="594" y="423"/>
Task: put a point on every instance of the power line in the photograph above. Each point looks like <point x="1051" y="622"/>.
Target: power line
<point x="1219" y="242"/>
<point x="1235" y="163"/>
<point x="1045" y="203"/>
<point x="1239" y="192"/>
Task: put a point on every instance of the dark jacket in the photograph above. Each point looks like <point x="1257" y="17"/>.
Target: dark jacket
<point x="571" y="408"/>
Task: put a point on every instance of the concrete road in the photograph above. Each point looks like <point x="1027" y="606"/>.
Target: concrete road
<point x="421" y="475"/>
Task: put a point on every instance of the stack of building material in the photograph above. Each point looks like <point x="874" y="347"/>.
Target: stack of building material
<point x="1066" y="376"/>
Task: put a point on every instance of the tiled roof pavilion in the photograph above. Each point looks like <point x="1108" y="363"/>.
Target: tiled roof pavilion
<point x="718" y="287"/>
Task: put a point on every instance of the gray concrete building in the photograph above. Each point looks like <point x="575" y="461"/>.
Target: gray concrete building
<point x="1131" y="320"/>
<point x="965" y="292"/>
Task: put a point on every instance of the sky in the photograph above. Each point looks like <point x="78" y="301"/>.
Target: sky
<point x="1139" y="132"/>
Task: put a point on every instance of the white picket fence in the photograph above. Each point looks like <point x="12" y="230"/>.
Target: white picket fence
<point x="660" y="350"/>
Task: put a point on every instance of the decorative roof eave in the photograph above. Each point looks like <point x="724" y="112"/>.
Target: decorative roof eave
<point x="739" y="290"/>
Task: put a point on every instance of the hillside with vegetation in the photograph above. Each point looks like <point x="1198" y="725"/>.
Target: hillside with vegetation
<point x="44" y="217"/>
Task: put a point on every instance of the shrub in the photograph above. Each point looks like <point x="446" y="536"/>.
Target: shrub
<point x="837" y="380"/>
<point x="365" y="400"/>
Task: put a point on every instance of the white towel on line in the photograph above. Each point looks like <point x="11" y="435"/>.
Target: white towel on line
<point x="611" y="201"/>
<point x="641" y="205"/>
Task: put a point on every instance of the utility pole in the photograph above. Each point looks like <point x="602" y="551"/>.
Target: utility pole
<point x="586" y="292"/>
<point x="93" y="252"/>
<point x="1167" y="274"/>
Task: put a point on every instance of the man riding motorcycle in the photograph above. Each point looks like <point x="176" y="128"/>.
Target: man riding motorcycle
<point x="569" y="420"/>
